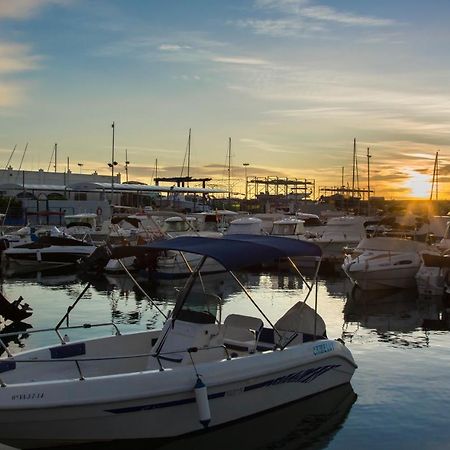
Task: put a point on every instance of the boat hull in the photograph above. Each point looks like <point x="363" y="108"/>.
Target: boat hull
<point x="401" y="278"/>
<point x="22" y="258"/>
<point x="161" y="404"/>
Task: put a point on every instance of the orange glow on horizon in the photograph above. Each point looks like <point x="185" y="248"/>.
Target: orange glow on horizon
<point x="418" y="185"/>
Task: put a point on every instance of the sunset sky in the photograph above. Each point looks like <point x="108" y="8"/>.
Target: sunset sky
<point x="292" y="82"/>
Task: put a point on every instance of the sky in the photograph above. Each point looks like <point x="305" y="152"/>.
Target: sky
<point x="292" y="82"/>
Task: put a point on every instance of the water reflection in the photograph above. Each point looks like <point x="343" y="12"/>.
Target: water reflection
<point x="15" y="327"/>
<point x="309" y="423"/>
<point x="59" y="278"/>
<point x="398" y="317"/>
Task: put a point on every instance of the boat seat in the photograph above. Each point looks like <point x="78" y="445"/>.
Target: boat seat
<point x="242" y="332"/>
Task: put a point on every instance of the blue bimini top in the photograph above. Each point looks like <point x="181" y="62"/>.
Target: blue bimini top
<point x="233" y="252"/>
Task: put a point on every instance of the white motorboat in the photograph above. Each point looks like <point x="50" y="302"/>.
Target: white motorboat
<point x="384" y="263"/>
<point x="85" y="226"/>
<point x="54" y="249"/>
<point x="340" y="232"/>
<point x="291" y="227"/>
<point x="245" y="225"/>
<point x="433" y="272"/>
<point x="197" y="372"/>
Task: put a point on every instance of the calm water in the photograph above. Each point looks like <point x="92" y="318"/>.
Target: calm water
<point x="399" y="397"/>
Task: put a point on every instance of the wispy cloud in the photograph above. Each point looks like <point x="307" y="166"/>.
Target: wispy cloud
<point x="264" y="146"/>
<point x="17" y="58"/>
<point x="307" y="9"/>
<point x="173" y="47"/>
<point x="239" y="60"/>
<point x="274" y="27"/>
<point x="297" y="17"/>
<point x="325" y="13"/>
<point x="11" y="94"/>
<point x="24" y="9"/>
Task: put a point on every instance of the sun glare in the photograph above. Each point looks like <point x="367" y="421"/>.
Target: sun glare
<point x="418" y="184"/>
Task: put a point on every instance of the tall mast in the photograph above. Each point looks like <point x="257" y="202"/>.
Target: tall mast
<point x="10" y="157"/>
<point x="56" y="156"/>
<point x="126" y="164"/>
<point x="189" y="156"/>
<point x="112" y="164"/>
<point x="435" y="181"/>
<point x="229" y="168"/>
<point x="354" y="164"/>
<point x="368" y="181"/>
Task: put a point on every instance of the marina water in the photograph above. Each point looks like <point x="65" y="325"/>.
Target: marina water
<point x="399" y="397"/>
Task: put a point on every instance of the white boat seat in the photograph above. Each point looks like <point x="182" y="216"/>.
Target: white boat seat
<point x="242" y="332"/>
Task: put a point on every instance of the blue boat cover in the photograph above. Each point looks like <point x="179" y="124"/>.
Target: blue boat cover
<point x="234" y="251"/>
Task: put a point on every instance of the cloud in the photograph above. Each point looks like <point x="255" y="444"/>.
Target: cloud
<point x="300" y="17"/>
<point x="325" y="13"/>
<point x="24" y="9"/>
<point x="239" y="60"/>
<point x="306" y="9"/>
<point x="277" y="28"/>
<point x="264" y="146"/>
<point x="173" y="47"/>
<point x="11" y="94"/>
<point x="17" y="58"/>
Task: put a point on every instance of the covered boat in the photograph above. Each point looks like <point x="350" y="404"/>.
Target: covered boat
<point x="199" y="371"/>
<point x="384" y="263"/>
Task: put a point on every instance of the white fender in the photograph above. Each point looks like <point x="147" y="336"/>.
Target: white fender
<point x="201" y="397"/>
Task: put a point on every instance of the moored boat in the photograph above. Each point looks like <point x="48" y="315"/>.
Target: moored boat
<point x="198" y="371"/>
<point x="384" y="263"/>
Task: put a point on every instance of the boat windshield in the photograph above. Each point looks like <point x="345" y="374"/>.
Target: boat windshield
<point x="200" y="307"/>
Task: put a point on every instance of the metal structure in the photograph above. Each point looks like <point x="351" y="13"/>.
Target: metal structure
<point x="344" y="191"/>
<point x="276" y="186"/>
<point x="182" y="181"/>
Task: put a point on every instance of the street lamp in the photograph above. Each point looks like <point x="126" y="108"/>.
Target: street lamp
<point x="245" y="170"/>
<point x="112" y="164"/>
<point x="80" y="165"/>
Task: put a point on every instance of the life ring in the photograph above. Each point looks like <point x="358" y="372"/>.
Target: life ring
<point x="99" y="211"/>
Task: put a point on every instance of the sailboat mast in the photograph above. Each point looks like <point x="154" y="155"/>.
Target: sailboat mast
<point x="189" y="155"/>
<point x="434" y="181"/>
<point x="229" y="169"/>
<point x="126" y="164"/>
<point x="10" y="156"/>
<point x="112" y="165"/>
<point x="368" y="181"/>
<point x="353" y="169"/>
<point x="56" y="156"/>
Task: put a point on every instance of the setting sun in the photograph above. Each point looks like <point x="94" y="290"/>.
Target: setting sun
<point x="418" y="184"/>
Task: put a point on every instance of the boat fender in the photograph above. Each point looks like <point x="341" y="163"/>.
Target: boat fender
<point x="201" y="397"/>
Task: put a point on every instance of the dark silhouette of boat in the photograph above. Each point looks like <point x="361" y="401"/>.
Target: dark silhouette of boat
<point x="15" y="311"/>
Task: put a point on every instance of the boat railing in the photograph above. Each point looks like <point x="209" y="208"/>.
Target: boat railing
<point x="158" y="356"/>
<point x="62" y="338"/>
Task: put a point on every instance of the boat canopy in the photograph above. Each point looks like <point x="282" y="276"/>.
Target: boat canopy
<point x="233" y="252"/>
